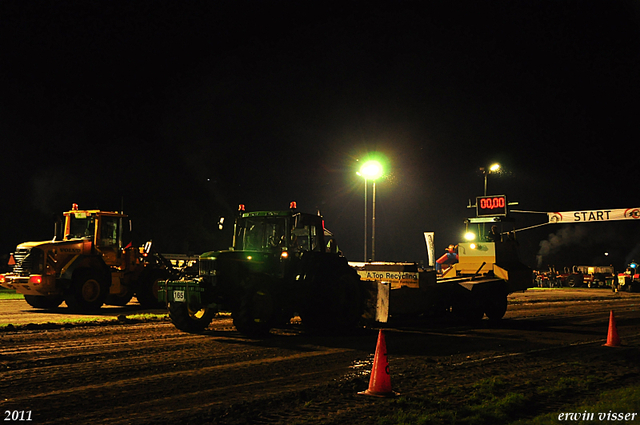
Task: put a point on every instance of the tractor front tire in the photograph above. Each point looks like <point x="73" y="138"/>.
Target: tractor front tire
<point x="191" y="319"/>
<point x="573" y="281"/>
<point x="87" y="292"/>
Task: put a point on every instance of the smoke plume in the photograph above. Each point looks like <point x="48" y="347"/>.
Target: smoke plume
<point x="634" y="255"/>
<point x="557" y="241"/>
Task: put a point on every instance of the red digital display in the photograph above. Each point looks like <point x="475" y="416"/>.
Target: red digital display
<point x="491" y="206"/>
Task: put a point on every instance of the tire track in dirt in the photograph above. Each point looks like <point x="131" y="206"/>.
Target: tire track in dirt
<point x="152" y="366"/>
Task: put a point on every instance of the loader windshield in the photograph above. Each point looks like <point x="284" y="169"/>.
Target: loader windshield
<point x="80" y="226"/>
<point x="109" y="232"/>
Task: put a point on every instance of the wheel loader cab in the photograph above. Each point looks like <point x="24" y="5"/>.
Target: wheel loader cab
<point x="108" y="240"/>
<point x="102" y="228"/>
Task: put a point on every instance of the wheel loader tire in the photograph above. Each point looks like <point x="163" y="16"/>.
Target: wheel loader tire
<point x="333" y="299"/>
<point x="191" y="319"/>
<point x="495" y="307"/>
<point x="257" y="310"/>
<point x="50" y="301"/>
<point x="120" y="299"/>
<point x="87" y="292"/>
<point x="147" y="292"/>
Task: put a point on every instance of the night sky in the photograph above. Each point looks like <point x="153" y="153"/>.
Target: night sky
<point x="181" y="110"/>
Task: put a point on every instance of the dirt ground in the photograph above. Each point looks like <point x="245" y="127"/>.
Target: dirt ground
<point x="131" y="372"/>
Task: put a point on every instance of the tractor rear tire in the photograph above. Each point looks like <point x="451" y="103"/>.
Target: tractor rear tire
<point x="333" y="299"/>
<point x="257" y="311"/>
<point x="147" y="292"/>
<point x="46" y="302"/>
<point x="87" y="292"/>
<point x="190" y="319"/>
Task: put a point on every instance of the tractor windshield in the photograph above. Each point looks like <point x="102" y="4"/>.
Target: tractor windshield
<point x="302" y="232"/>
<point x="262" y="233"/>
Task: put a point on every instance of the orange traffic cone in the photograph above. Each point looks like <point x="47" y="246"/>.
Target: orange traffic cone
<point x="612" y="338"/>
<point x="380" y="381"/>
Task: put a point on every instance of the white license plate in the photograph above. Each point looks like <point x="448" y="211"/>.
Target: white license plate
<point x="178" y="296"/>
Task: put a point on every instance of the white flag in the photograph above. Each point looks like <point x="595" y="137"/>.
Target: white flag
<point x="431" y="248"/>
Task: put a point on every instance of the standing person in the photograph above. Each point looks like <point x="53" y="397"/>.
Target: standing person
<point x="494" y="234"/>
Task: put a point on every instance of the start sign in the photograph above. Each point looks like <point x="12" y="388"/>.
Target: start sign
<point x="594" y="215"/>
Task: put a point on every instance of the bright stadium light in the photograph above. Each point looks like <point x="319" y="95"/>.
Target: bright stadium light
<point x="371" y="170"/>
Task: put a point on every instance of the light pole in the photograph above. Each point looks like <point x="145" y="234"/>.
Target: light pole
<point x="373" y="223"/>
<point x="366" y="223"/>
<point x="370" y="170"/>
<point x="492" y="169"/>
<point x="495" y="167"/>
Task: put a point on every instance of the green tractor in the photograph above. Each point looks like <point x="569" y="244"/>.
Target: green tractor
<point x="282" y="263"/>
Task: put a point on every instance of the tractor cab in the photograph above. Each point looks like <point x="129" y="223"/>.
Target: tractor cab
<point x="279" y="231"/>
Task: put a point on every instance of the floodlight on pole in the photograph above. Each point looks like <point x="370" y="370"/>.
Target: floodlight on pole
<point x="371" y="170"/>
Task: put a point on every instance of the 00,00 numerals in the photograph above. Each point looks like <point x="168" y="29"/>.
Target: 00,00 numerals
<point x="491" y="203"/>
<point x="17" y="415"/>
